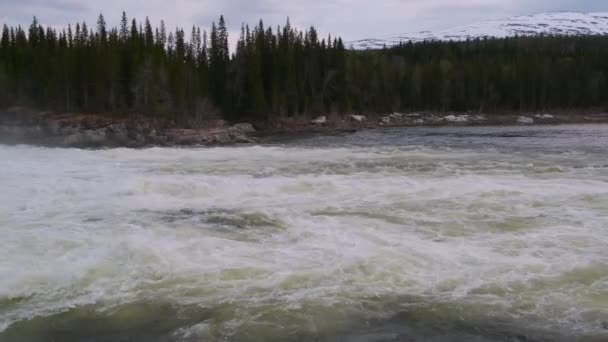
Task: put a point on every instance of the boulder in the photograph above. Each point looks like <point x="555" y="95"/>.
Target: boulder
<point x="118" y="133"/>
<point x="53" y="128"/>
<point x="34" y="132"/>
<point x="524" y="120"/>
<point x="245" y="127"/>
<point x="218" y="136"/>
<point x="456" y="119"/>
<point x="95" y="136"/>
<point x="321" y="120"/>
<point x="62" y="128"/>
<point x="12" y="134"/>
<point x="70" y="140"/>
<point x="385" y="120"/>
<point x="91" y="137"/>
<point x="182" y="136"/>
<point x="544" y="116"/>
<point x="358" y="118"/>
<point x="239" y="136"/>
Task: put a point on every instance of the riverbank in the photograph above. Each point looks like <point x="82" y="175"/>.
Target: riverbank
<point x="23" y="126"/>
<point x="18" y="126"/>
<point x="352" y="123"/>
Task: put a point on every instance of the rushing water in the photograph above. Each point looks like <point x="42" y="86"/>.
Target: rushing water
<point x="451" y="234"/>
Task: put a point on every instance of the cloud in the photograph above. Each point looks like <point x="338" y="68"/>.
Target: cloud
<point x="22" y="11"/>
<point x="352" y="19"/>
<point x="567" y="5"/>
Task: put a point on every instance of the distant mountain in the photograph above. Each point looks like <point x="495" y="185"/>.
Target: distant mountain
<point x="562" y="23"/>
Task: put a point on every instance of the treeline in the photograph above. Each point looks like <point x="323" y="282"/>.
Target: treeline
<point x="512" y="74"/>
<point x="136" y="68"/>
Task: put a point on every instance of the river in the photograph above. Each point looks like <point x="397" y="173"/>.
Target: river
<point x="420" y="234"/>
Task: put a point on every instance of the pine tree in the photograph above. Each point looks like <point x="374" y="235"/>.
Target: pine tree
<point x="102" y="31"/>
<point x="149" y="35"/>
<point x="124" y="28"/>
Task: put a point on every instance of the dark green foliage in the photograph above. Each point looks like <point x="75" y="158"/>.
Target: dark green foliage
<point x="137" y="68"/>
<point x="519" y="74"/>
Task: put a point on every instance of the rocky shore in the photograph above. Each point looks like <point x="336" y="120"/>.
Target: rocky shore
<point x="456" y="119"/>
<point x="19" y="126"/>
<point x="352" y="123"/>
<point x="95" y="131"/>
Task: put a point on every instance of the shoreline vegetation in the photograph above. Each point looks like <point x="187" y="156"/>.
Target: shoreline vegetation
<point x="139" y="85"/>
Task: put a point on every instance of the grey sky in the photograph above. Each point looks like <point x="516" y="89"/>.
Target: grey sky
<point x="352" y="19"/>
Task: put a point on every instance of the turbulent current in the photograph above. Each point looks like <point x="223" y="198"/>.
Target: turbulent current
<point x="444" y="234"/>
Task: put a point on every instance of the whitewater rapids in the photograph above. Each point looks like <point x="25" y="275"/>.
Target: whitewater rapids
<point x="452" y="234"/>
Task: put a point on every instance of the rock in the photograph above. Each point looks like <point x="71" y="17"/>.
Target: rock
<point x="96" y="136"/>
<point x="245" y="127"/>
<point x="140" y="139"/>
<point x="456" y="119"/>
<point x="92" y="137"/>
<point x="218" y="136"/>
<point x="385" y="120"/>
<point x="544" y="116"/>
<point x="397" y="116"/>
<point x="479" y="117"/>
<point x="118" y="133"/>
<point x="12" y="134"/>
<point x="68" y="130"/>
<point x="35" y="131"/>
<point x="321" y="120"/>
<point x="358" y="118"/>
<point x="185" y="136"/>
<point x="53" y="128"/>
<point x="90" y="131"/>
<point x="418" y="121"/>
<point x="524" y="120"/>
<point x="238" y="136"/>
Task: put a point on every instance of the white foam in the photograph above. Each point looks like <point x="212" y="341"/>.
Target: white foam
<point x="82" y="227"/>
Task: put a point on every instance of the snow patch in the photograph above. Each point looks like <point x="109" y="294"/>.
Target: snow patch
<point x="558" y="23"/>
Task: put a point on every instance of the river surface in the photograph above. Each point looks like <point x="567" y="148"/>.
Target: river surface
<point x="423" y="234"/>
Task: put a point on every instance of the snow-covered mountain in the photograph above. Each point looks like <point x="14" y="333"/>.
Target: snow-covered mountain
<point x="558" y="23"/>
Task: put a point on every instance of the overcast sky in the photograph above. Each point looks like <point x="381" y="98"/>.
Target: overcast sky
<point x="351" y="19"/>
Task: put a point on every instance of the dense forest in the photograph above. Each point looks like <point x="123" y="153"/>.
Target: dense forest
<point x="135" y="68"/>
